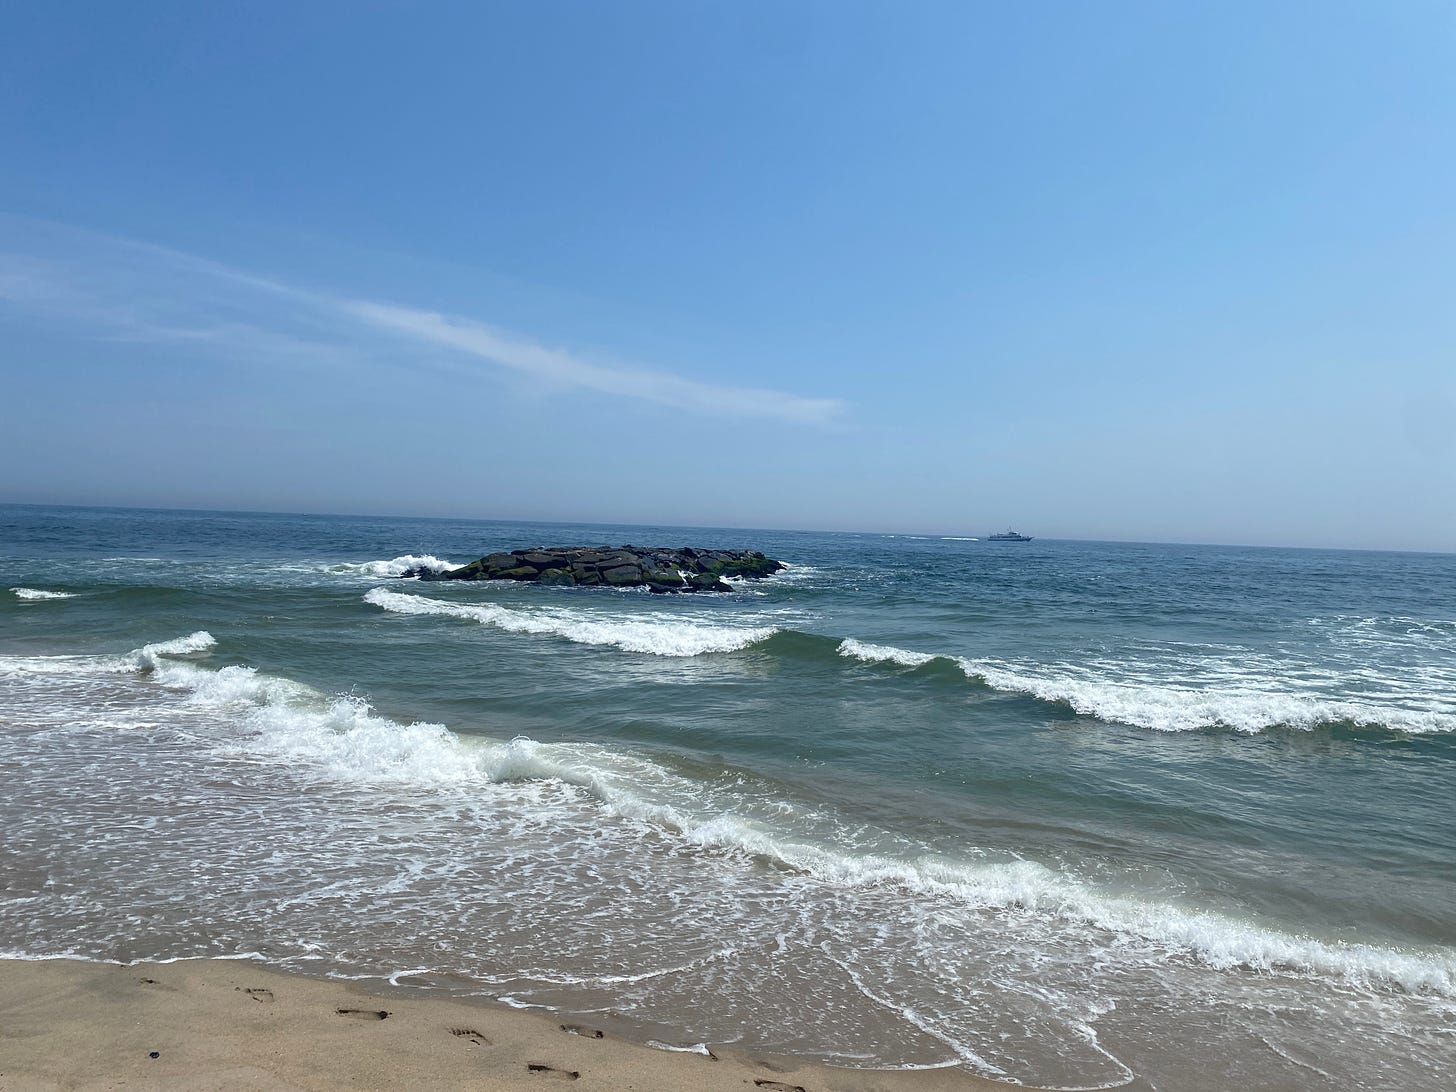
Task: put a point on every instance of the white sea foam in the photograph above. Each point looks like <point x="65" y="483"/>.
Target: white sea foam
<point x="48" y="665"/>
<point x="744" y="585"/>
<point x="356" y="743"/>
<point x="397" y="566"/>
<point x="789" y="575"/>
<point x="1167" y="707"/>
<point x="199" y="641"/>
<point x="39" y="593"/>
<point x="639" y="789"/>
<point x="696" y="1048"/>
<point x="657" y="636"/>
<point x="796" y="573"/>
<point x="1239" y="703"/>
<point x="342" y="734"/>
<point x="341" y="738"/>
<point x="863" y="650"/>
<point x="149" y="657"/>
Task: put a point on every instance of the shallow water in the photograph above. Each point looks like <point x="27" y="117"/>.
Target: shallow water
<point x="1067" y="813"/>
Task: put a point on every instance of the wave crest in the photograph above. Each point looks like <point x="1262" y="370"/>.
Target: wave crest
<point x="396" y="566"/>
<point x="863" y="650"/>
<point x="37" y="594"/>
<point x="149" y="657"/>
<point x="654" y="636"/>
<point x="1165" y="706"/>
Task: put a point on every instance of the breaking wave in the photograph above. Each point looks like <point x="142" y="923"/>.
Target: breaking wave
<point x="39" y="593"/>
<point x="654" y="636"/>
<point x="1165" y="706"/>
<point x="151" y="657"/>
<point x="397" y="566"/>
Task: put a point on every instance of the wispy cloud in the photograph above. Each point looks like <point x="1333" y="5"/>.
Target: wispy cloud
<point x="138" y="291"/>
<point x="564" y="369"/>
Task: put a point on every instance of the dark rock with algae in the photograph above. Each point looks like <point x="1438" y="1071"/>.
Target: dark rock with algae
<point x="660" y="569"/>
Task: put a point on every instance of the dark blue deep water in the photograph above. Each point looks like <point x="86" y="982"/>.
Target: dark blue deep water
<point x="1068" y="813"/>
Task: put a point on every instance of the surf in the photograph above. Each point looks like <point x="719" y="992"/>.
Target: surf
<point x="342" y="738"/>
<point x="39" y="594"/>
<point x="656" y="636"/>
<point x="1164" y="705"/>
<point x="395" y="566"/>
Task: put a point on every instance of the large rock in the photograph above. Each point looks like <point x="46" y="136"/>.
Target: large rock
<point x="665" y="580"/>
<point x="622" y="576"/>
<point x="707" y="582"/>
<point x="658" y="568"/>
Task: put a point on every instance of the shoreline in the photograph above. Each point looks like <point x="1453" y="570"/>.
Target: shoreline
<point x="231" y="1023"/>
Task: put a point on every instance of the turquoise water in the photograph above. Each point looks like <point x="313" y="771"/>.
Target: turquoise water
<point x="1074" y="814"/>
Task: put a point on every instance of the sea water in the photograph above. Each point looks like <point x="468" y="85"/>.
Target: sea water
<point x="1072" y="814"/>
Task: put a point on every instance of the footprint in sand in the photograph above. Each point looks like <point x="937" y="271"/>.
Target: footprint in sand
<point x="779" y="1086"/>
<point x="470" y="1035"/>
<point x="257" y="993"/>
<point x="363" y="1014"/>
<point x="584" y="1032"/>
<point x="551" y="1071"/>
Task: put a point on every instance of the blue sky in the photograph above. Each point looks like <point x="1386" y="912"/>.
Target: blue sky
<point x="1143" y="271"/>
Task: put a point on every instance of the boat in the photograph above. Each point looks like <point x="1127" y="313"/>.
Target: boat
<point x="1008" y="535"/>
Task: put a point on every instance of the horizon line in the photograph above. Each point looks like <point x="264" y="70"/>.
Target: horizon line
<point x="941" y="535"/>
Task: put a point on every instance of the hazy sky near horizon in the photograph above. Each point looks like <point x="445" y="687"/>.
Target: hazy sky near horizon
<point x="1178" y="272"/>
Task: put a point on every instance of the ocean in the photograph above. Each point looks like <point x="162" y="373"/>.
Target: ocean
<point x="1071" y="814"/>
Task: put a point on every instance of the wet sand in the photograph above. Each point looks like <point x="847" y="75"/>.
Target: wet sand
<point x="228" y="1024"/>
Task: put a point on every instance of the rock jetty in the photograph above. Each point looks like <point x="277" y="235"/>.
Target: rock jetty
<point x="659" y="569"/>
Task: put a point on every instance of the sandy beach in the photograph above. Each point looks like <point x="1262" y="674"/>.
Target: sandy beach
<point x="228" y="1024"/>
